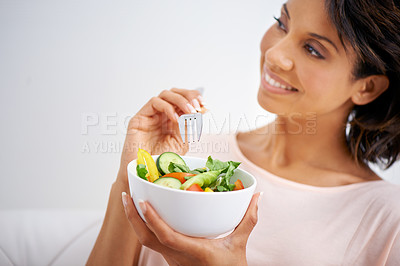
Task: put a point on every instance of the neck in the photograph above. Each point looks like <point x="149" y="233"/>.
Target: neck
<point x="312" y="139"/>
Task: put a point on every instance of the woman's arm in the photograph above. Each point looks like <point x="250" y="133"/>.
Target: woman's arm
<point x="117" y="243"/>
<point x="155" y="129"/>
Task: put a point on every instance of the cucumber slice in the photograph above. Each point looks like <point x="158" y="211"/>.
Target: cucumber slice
<point x="170" y="182"/>
<point x="165" y="159"/>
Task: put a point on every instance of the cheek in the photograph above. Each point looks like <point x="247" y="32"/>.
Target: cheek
<point x="325" y="88"/>
<point x="316" y="81"/>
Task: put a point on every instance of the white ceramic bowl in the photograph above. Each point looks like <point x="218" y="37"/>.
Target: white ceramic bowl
<point x="198" y="214"/>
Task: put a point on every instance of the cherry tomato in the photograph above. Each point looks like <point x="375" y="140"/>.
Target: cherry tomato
<point x="195" y="187"/>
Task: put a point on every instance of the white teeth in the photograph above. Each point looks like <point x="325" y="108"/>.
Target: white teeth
<point x="275" y="83"/>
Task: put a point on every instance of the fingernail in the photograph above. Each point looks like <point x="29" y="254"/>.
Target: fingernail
<point x="196" y="105"/>
<point x="191" y="108"/>
<point x="142" y="206"/>
<point x="176" y="117"/>
<point x="259" y="197"/>
<point x="201" y="100"/>
<point x="124" y="198"/>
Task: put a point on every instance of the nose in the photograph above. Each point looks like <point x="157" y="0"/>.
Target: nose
<point x="278" y="57"/>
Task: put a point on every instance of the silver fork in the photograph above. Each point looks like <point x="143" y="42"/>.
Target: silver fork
<point x="190" y="126"/>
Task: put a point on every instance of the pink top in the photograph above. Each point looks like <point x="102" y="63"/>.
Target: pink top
<point x="298" y="224"/>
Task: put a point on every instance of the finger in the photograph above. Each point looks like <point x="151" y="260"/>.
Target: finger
<point x="249" y="220"/>
<point x="144" y="234"/>
<point x="170" y="238"/>
<point x="179" y="100"/>
<point x="157" y="105"/>
<point x="201" y="100"/>
<point x="133" y="216"/>
<point x="193" y="96"/>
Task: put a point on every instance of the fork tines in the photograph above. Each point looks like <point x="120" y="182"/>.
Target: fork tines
<point x="190" y="126"/>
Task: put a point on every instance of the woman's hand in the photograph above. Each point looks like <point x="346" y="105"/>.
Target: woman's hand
<point x="179" y="249"/>
<point x="155" y="127"/>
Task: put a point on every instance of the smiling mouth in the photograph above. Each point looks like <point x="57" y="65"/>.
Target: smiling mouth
<point x="280" y="85"/>
<point x="277" y="84"/>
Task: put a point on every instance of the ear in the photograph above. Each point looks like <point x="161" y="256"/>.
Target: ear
<point x="370" y="88"/>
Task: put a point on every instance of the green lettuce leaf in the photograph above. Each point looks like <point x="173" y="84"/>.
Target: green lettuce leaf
<point x="215" y="165"/>
<point x="142" y="171"/>
<point x="229" y="172"/>
<point x="177" y="168"/>
<point x="227" y="169"/>
<point x="221" y="188"/>
<point x="198" y="170"/>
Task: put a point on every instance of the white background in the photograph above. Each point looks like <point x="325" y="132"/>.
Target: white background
<point x="66" y="63"/>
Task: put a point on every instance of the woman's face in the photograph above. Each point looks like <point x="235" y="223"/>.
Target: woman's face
<point x="304" y="67"/>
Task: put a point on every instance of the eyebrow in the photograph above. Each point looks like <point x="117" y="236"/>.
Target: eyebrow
<point x="286" y="10"/>
<point x="323" y="38"/>
<point x="317" y="36"/>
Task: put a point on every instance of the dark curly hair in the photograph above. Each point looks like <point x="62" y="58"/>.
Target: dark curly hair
<point x="372" y="29"/>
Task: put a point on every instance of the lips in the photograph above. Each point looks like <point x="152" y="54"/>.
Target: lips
<point x="275" y="84"/>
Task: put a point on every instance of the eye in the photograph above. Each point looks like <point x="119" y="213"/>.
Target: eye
<point x="312" y="51"/>
<point x="280" y="24"/>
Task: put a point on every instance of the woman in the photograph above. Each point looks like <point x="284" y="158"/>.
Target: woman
<point x="336" y="61"/>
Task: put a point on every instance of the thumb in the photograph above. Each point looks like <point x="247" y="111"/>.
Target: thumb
<point x="250" y="219"/>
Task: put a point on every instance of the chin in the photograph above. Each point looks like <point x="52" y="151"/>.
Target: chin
<point x="279" y="107"/>
<point x="268" y="104"/>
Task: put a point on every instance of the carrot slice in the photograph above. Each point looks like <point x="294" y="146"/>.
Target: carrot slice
<point x="180" y="176"/>
<point x="238" y="185"/>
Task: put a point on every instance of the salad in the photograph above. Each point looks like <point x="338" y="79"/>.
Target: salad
<point x="170" y="170"/>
